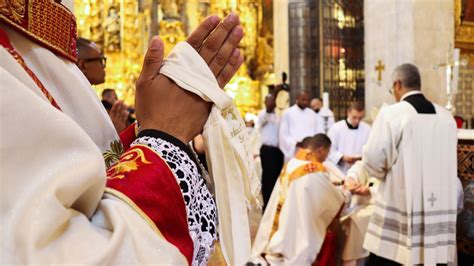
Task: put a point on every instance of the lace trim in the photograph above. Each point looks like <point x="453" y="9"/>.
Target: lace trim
<point x="200" y="204"/>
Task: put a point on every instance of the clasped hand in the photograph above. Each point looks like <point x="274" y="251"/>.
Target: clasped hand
<point x="161" y="104"/>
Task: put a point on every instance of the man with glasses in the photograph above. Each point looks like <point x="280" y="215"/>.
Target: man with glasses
<point x="91" y="61"/>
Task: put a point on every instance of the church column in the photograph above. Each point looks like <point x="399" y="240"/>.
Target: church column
<point x="280" y="38"/>
<point x="410" y="31"/>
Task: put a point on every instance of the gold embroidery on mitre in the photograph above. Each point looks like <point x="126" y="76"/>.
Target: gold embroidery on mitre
<point x="13" y="8"/>
<point x="128" y="162"/>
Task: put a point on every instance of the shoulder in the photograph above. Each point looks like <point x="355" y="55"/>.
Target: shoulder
<point x="364" y="126"/>
<point x="395" y="111"/>
<point x="338" y="126"/>
<point x="443" y="113"/>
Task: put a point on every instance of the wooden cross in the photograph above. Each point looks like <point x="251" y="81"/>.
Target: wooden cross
<point x="432" y="199"/>
<point x="379" y="68"/>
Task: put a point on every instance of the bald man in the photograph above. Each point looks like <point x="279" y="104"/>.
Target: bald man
<point x="91" y="61"/>
<point x="298" y="122"/>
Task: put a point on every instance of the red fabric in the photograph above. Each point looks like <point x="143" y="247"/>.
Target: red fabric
<point x="148" y="181"/>
<point x="45" y="22"/>
<point x="327" y="254"/>
<point x="459" y="121"/>
<point x="127" y="136"/>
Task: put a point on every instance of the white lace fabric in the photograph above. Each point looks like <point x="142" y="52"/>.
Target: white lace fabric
<point x="200" y="204"/>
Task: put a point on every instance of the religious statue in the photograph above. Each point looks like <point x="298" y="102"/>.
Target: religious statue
<point x="171" y="8"/>
<point x="112" y="30"/>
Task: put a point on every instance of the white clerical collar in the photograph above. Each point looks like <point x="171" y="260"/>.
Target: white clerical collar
<point x="410" y="94"/>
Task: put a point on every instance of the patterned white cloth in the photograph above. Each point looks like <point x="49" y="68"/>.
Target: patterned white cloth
<point x="200" y="204"/>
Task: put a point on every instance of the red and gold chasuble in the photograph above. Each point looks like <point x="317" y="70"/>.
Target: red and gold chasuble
<point x="141" y="178"/>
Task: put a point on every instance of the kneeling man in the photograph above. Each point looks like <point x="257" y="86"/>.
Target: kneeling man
<point x="303" y="204"/>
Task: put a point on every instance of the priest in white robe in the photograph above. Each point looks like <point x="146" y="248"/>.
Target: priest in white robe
<point x="59" y="202"/>
<point x="348" y="136"/>
<point x="303" y="204"/>
<point x="298" y="122"/>
<point x="412" y="151"/>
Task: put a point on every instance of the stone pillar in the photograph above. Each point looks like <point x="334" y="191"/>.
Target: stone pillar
<point x="409" y="31"/>
<point x="280" y="38"/>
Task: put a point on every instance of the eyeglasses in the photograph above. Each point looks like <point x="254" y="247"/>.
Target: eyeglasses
<point x="103" y="60"/>
<point x="391" y="90"/>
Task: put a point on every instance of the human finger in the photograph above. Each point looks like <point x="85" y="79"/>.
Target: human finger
<point x="198" y="36"/>
<point x="153" y="59"/>
<point x="216" y="39"/>
<point x="229" y="70"/>
<point x="222" y="56"/>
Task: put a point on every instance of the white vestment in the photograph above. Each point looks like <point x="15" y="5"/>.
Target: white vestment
<point x="356" y="217"/>
<point x="328" y="117"/>
<point x="310" y="205"/>
<point x="414" y="156"/>
<point x="296" y="124"/>
<point x="53" y="206"/>
<point x="347" y="141"/>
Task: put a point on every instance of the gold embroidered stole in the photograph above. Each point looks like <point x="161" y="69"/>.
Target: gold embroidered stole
<point x="286" y="178"/>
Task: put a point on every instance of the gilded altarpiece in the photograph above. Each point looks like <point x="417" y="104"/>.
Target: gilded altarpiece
<point x="121" y="28"/>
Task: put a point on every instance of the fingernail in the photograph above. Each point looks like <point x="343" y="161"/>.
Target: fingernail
<point x="238" y="31"/>
<point x="155" y="44"/>
<point x="236" y="52"/>
<point x="233" y="17"/>
<point x="215" y="19"/>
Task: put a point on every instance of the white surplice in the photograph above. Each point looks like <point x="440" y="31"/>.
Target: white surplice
<point x="347" y="141"/>
<point x="296" y="124"/>
<point x="414" y="156"/>
<point x="53" y="205"/>
<point x="310" y="205"/>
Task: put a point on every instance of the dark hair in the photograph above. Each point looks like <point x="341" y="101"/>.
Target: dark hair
<point x="318" y="141"/>
<point x="284" y="76"/>
<point x="82" y="46"/>
<point x="105" y="91"/>
<point x="357" y="105"/>
<point x="304" y="143"/>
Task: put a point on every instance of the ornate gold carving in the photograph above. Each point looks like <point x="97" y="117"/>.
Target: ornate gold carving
<point x="13" y="8"/>
<point x="464" y="30"/>
<point x="122" y="30"/>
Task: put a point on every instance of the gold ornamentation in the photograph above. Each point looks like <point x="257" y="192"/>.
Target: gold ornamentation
<point x="13" y="8"/>
<point x="129" y="162"/>
<point x="113" y="155"/>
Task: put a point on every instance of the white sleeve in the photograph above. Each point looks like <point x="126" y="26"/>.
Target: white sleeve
<point x="319" y="125"/>
<point x="334" y="156"/>
<point x="262" y="120"/>
<point x="380" y="153"/>
<point x="54" y="209"/>
<point x="286" y="143"/>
